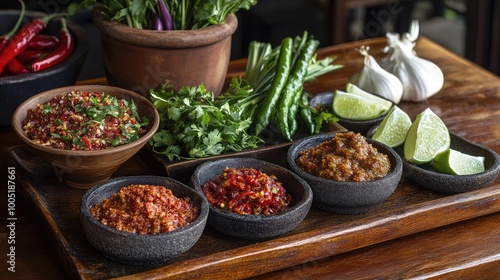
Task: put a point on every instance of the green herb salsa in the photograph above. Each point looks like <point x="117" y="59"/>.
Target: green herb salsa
<point x="80" y="120"/>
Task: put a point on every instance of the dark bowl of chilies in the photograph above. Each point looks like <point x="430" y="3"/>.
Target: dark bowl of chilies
<point x="50" y="58"/>
<point x="252" y="199"/>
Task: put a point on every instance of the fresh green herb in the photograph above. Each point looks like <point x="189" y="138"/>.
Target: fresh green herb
<point x="130" y="132"/>
<point x="321" y="117"/>
<point x="211" y="12"/>
<point x="115" y="142"/>
<point x="107" y="106"/>
<point x="134" y="13"/>
<point x="185" y="14"/>
<point x="78" y="142"/>
<point x="194" y="124"/>
<point x="46" y="109"/>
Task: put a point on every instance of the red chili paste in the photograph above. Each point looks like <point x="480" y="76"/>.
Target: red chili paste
<point x="145" y="209"/>
<point x="346" y="157"/>
<point x="81" y="120"/>
<point x="247" y="191"/>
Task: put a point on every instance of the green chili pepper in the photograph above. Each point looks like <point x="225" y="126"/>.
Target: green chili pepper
<point x="306" y="113"/>
<point x="292" y="114"/>
<point x="294" y="84"/>
<point x="283" y="70"/>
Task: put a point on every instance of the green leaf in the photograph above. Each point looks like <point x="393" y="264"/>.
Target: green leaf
<point x="196" y="119"/>
<point x="173" y="113"/>
<point x="46" y="109"/>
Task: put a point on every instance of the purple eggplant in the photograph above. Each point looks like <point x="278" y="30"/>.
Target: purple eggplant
<point x="165" y="16"/>
<point x="157" y="23"/>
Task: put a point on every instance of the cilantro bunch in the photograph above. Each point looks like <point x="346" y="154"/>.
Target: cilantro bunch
<point x="194" y="124"/>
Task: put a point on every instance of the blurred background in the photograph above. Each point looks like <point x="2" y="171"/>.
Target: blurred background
<point x="469" y="28"/>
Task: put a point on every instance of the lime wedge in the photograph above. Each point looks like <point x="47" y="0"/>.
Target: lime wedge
<point x="352" y="88"/>
<point x="457" y="163"/>
<point x="355" y="107"/>
<point x="427" y="137"/>
<point x="394" y="127"/>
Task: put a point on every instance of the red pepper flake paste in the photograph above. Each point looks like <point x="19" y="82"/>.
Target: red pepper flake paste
<point x="80" y="120"/>
<point x="247" y="191"/>
<point x="346" y="157"/>
<point x="145" y="209"/>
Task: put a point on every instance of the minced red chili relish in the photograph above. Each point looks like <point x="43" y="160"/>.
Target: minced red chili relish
<point x="247" y="191"/>
<point x="145" y="209"/>
<point x="346" y="157"/>
<point x="80" y="120"/>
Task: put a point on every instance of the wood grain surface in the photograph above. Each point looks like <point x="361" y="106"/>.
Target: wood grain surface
<point x="456" y="234"/>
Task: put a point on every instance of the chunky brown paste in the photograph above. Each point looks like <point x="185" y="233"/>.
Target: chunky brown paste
<point x="346" y="157"/>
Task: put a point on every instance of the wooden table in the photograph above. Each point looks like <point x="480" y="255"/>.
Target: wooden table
<point x="466" y="246"/>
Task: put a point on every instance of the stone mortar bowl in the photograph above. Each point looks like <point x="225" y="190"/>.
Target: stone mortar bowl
<point x="426" y="177"/>
<point x="347" y="197"/>
<point x="256" y="227"/>
<point x="141" y="249"/>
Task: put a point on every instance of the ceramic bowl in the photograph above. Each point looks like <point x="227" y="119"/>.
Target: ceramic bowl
<point x="256" y="227"/>
<point x="83" y="169"/>
<point x="16" y="89"/>
<point x="141" y="249"/>
<point x="426" y="177"/>
<point x="324" y="100"/>
<point x="347" y="197"/>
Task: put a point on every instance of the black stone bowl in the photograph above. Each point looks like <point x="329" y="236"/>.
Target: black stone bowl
<point x="17" y="88"/>
<point x="426" y="177"/>
<point x="141" y="249"/>
<point x="347" y="197"/>
<point x="256" y="227"/>
<point x="324" y="100"/>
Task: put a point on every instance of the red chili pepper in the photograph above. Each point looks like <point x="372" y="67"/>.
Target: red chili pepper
<point x="87" y="142"/>
<point x="4" y="39"/>
<point x="20" y="40"/>
<point x="15" y="67"/>
<point x="29" y="55"/>
<point x="63" y="50"/>
<point x="43" y="42"/>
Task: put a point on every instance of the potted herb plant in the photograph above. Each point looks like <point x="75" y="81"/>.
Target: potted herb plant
<point x="181" y="42"/>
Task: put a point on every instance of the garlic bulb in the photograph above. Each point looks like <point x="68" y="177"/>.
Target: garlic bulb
<point x="374" y="79"/>
<point x="421" y="78"/>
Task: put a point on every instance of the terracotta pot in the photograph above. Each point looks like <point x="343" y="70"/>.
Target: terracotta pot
<point x="138" y="59"/>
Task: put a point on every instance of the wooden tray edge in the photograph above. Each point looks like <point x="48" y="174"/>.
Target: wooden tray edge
<point x="333" y="240"/>
<point x="289" y="251"/>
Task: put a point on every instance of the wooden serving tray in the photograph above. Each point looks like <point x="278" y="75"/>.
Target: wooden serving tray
<point x="409" y="210"/>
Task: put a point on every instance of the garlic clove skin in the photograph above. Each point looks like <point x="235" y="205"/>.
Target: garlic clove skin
<point x="376" y="80"/>
<point x="421" y="78"/>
